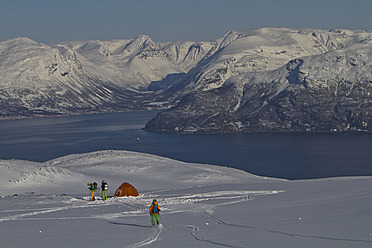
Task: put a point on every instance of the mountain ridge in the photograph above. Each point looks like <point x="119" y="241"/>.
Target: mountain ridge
<point x="322" y="93"/>
<point x="93" y="76"/>
<point x="86" y="76"/>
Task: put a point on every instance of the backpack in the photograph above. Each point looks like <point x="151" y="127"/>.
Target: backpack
<point x="104" y="186"/>
<point x="94" y="185"/>
<point x="155" y="209"/>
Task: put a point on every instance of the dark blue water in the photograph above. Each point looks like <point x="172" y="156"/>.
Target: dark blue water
<point x="291" y="156"/>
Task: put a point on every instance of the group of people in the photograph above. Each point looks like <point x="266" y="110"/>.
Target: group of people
<point x="93" y="187"/>
<point x="154" y="208"/>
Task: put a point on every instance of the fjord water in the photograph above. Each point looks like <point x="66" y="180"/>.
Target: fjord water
<point x="290" y="156"/>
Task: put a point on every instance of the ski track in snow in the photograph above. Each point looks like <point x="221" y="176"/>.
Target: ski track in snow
<point x="44" y="211"/>
<point x="218" y="221"/>
<point x="153" y="238"/>
<point x="194" y="233"/>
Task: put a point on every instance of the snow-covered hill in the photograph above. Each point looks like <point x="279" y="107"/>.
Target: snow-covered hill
<point x="47" y="205"/>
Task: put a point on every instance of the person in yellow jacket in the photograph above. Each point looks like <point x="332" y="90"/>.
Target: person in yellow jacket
<point x="154" y="212"/>
<point x="92" y="188"/>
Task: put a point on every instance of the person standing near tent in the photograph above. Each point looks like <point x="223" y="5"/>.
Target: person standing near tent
<point x="154" y="212"/>
<point x="92" y="188"/>
<point x="104" y="188"/>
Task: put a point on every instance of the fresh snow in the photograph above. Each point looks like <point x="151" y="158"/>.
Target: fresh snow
<point x="47" y="205"/>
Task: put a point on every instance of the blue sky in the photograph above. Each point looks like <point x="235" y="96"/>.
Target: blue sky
<point x="50" y="21"/>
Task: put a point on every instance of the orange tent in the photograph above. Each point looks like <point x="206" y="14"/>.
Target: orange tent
<point x="126" y="189"/>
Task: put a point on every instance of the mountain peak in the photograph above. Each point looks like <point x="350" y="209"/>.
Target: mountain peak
<point x="20" y="40"/>
<point x="143" y="39"/>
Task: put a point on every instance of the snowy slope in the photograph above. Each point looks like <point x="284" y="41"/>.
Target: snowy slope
<point x="47" y="205"/>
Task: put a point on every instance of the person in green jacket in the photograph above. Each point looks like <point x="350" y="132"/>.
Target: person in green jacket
<point x="154" y="212"/>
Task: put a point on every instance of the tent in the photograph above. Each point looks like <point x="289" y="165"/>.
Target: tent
<point x="126" y="189"/>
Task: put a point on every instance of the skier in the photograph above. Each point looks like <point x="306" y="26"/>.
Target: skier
<point x="154" y="212"/>
<point x="104" y="189"/>
<point x="92" y="188"/>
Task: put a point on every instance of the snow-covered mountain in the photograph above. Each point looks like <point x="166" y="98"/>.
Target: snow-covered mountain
<point x="328" y="91"/>
<point x="88" y="76"/>
<point x="264" y="49"/>
<point x="47" y="205"/>
<point x="117" y="75"/>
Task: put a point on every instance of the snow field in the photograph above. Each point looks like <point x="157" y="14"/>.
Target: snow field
<point x="222" y="208"/>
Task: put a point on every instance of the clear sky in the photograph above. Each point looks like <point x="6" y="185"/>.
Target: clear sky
<point x="51" y="21"/>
